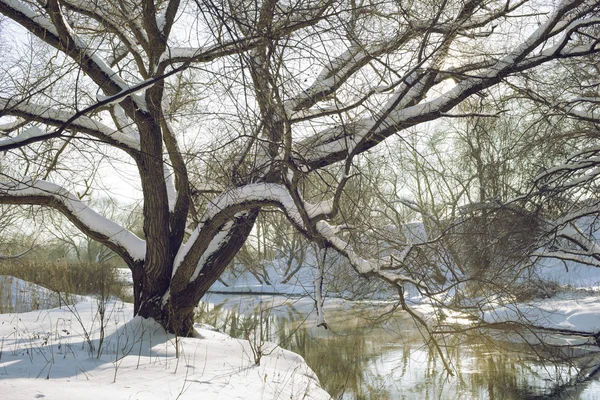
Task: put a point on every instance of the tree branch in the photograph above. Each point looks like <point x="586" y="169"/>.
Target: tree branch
<point x="42" y="193"/>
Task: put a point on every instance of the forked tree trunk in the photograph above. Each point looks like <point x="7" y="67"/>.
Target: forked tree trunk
<point x="174" y="307"/>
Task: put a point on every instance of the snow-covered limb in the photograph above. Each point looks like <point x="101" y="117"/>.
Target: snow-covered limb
<point x="196" y="261"/>
<point x="78" y="48"/>
<point x="336" y="143"/>
<point x="124" y="124"/>
<point x="567" y="256"/>
<point x="171" y="191"/>
<point x="208" y="187"/>
<point x="319" y="209"/>
<point x="567" y="242"/>
<point x="579" y="172"/>
<point x="26" y="136"/>
<point x="57" y="118"/>
<point x="181" y="54"/>
<point x="363" y="266"/>
<point x="26" y="12"/>
<point x="268" y="193"/>
<point x="340" y="68"/>
<point x="574" y="234"/>
<point x="264" y="194"/>
<point x="561" y="169"/>
<point x="57" y="32"/>
<point x="39" y="192"/>
<point x="136" y="92"/>
<point x="582" y="160"/>
<point x="227" y="206"/>
<point x="215" y="244"/>
<point x="177" y="181"/>
<point x="337" y="72"/>
<point x="205" y="54"/>
<point x="331" y="76"/>
<point x="9" y="126"/>
<point x="106" y="19"/>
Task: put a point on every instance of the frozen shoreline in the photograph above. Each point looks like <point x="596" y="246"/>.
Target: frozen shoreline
<point x="53" y="354"/>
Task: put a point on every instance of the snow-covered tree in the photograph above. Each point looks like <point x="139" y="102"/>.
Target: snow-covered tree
<point x="226" y="107"/>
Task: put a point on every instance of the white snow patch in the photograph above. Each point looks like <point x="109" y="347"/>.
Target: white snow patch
<point x="567" y="310"/>
<point x="29" y="133"/>
<point x="214" y="245"/>
<point x="171" y="191"/>
<point x="46" y="354"/>
<point x="321" y="208"/>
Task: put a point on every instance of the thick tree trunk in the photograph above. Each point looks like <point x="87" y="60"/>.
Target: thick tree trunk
<point x="175" y="308"/>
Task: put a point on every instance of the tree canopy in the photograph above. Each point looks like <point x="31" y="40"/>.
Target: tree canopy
<point x="225" y="108"/>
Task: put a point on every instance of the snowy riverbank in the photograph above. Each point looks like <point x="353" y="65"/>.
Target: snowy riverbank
<point x="53" y="354"/>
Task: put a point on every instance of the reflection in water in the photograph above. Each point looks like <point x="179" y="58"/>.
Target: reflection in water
<point x="362" y="356"/>
<point x="365" y="357"/>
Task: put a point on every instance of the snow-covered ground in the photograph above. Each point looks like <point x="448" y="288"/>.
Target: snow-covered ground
<point x="59" y="354"/>
<point x="47" y="354"/>
<point x="52" y="343"/>
<point x="574" y="305"/>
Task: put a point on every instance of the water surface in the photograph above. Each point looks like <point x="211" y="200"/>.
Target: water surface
<point x="367" y="355"/>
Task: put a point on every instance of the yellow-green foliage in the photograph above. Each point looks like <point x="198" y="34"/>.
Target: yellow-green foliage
<point x="67" y="277"/>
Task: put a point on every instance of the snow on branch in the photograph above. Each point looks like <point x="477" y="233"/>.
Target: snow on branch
<point x="336" y="143"/>
<point x="171" y="191"/>
<point x="583" y="259"/>
<point x="58" y="33"/>
<point x="364" y="266"/>
<point x="215" y="245"/>
<point x="572" y="233"/>
<point x="580" y="170"/>
<point x="241" y="199"/>
<point x="28" y="13"/>
<point x="189" y="55"/>
<point x="268" y="193"/>
<point x="330" y="77"/>
<point x="51" y="116"/>
<point x="232" y="202"/>
<point x="319" y="209"/>
<point x="27" y="135"/>
<point x="101" y="15"/>
<point x="340" y="68"/>
<point x="98" y="227"/>
<point x="9" y="126"/>
<point x="568" y="242"/>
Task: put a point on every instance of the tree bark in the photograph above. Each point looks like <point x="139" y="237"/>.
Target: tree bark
<point x="174" y="308"/>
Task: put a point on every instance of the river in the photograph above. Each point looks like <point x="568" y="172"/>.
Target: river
<point x="370" y="350"/>
<point x="364" y="355"/>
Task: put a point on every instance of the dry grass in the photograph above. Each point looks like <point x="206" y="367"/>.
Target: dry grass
<point x="66" y="277"/>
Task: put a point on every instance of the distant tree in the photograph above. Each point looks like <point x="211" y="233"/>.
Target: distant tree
<point x="257" y="97"/>
<point x="14" y="243"/>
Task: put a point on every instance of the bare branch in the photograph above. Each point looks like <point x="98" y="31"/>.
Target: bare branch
<point x="37" y="192"/>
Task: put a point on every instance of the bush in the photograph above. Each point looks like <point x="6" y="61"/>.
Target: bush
<point x="68" y="277"/>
